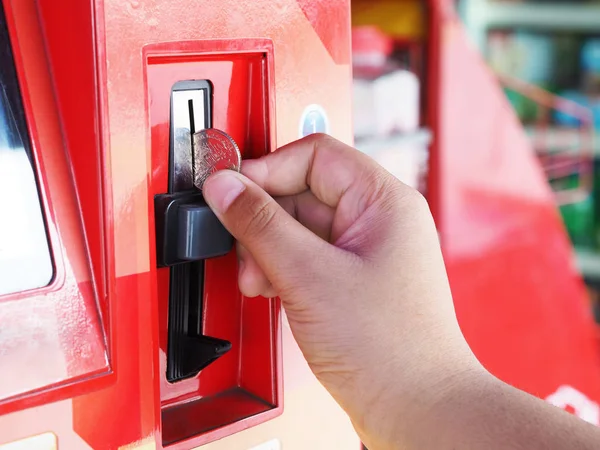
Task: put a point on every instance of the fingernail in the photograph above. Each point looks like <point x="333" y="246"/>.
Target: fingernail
<point x="221" y="189"/>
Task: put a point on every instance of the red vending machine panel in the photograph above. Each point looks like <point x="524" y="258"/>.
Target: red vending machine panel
<point x="52" y="330"/>
<point x="120" y="344"/>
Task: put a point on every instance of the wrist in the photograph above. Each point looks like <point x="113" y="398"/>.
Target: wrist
<point x="407" y="412"/>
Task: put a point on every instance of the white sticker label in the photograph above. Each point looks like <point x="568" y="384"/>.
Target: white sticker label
<point x="273" y="444"/>
<point x="313" y="120"/>
<point x="567" y="397"/>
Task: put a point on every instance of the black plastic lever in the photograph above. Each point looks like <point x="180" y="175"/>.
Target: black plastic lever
<point x="187" y="230"/>
<point x="189" y="351"/>
<point x="187" y="233"/>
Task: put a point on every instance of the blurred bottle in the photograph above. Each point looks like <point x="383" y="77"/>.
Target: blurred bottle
<point x="590" y="66"/>
<point x="385" y="96"/>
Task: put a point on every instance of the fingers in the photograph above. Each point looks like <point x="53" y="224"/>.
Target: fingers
<point x="318" y="162"/>
<point x="279" y="244"/>
<point x="310" y="212"/>
<point x="251" y="279"/>
<point x="339" y="176"/>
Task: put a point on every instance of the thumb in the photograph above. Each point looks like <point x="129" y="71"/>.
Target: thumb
<point x="281" y="246"/>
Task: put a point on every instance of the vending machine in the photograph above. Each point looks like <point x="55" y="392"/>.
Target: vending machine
<point x="117" y="333"/>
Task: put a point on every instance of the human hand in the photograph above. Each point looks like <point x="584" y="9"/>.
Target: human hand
<point x="354" y="256"/>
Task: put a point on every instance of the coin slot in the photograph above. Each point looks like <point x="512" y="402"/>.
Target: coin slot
<point x="244" y="385"/>
<point x="190" y="112"/>
<point x="187" y="233"/>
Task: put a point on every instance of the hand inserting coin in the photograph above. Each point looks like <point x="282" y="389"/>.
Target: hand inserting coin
<point x="213" y="150"/>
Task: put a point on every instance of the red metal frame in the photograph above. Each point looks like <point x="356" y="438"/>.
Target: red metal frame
<point x="439" y="12"/>
<point x="243" y="387"/>
<point x="71" y="352"/>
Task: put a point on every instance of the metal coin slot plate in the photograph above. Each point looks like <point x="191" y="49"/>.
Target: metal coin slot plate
<point x="190" y="112"/>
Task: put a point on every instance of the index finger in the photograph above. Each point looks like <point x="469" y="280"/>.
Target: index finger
<point x="317" y="162"/>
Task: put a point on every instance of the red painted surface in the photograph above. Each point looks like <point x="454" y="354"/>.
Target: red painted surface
<point x="331" y="23"/>
<point x="96" y="90"/>
<point x="67" y="29"/>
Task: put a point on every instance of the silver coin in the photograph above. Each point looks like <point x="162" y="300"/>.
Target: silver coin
<point x="214" y="150"/>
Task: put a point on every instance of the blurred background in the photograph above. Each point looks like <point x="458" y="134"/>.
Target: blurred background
<point x="545" y="55"/>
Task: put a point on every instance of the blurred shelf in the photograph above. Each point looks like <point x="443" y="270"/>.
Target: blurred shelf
<point x="482" y="15"/>
<point x="555" y="16"/>
<point x="372" y="145"/>
<point x="561" y="138"/>
<point x="588" y="263"/>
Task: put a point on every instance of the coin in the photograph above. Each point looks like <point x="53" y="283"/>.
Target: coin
<point x="213" y="150"/>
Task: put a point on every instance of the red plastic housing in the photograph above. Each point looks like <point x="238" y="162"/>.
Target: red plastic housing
<point x="246" y="381"/>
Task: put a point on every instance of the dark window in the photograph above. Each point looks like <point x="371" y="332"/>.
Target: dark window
<point x="25" y="261"/>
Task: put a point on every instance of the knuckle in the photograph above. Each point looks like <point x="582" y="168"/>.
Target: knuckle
<point x="316" y="138"/>
<point x="400" y="198"/>
<point x="322" y="141"/>
<point x="416" y="204"/>
<point x="418" y="201"/>
<point x="405" y="194"/>
<point x="415" y="198"/>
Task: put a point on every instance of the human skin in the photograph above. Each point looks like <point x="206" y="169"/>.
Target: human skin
<point x="354" y="256"/>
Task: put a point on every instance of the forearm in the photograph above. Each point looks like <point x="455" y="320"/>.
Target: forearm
<point x="485" y="413"/>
